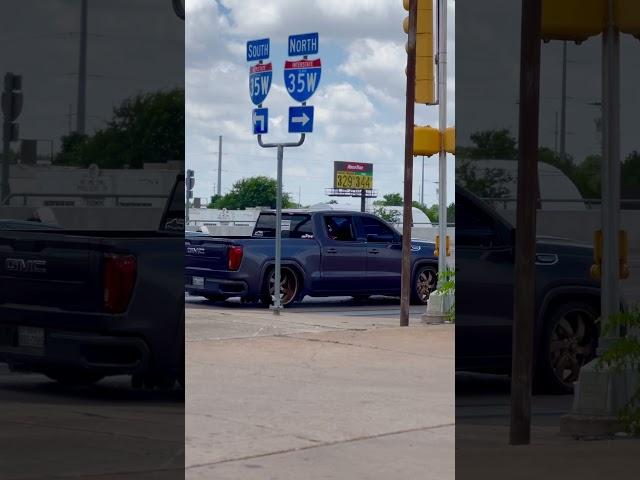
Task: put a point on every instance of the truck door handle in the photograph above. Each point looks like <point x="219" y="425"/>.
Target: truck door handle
<point x="374" y="251"/>
<point x="331" y="250"/>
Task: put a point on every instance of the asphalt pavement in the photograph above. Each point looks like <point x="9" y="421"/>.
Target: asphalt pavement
<point x="106" y="431"/>
<point x="329" y="389"/>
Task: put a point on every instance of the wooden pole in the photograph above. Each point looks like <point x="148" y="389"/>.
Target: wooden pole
<point x="525" y="247"/>
<point x="407" y="220"/>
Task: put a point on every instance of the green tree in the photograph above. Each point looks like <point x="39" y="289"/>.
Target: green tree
<point x="491" y="144"/>
<point x="252" y="192"/>
<point x="213" y="201"/>
<point x="390" y="200"/>
<point x="146" y="128"/>
<point x="631" y="171"/>
<point x="391" y="216"/>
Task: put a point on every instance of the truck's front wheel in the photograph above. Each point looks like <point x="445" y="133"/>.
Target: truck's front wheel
<point x="425" y="281"/>
<point x="289" y="287"/>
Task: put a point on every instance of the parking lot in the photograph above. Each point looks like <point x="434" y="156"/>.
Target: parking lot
<point x="330" y="386"/>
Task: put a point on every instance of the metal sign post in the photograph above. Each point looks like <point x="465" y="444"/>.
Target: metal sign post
<point x="301" y="79"/>
<point x="442" y="156"/>
<point x="277" y="304"/>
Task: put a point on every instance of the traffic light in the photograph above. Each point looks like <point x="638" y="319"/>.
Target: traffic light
<point x="426" y="141"/>
<point x="577" y="20"/>
<point x="450" y="140"/>
<point x="627" y="16"/>
<point x="425" y="78"/>
<point x="11" y="106"/>
<point x="436" y="251"/>
<point x="572" y="20"/>
<point x="190" y="181"/>
<point x="623" y="261"/>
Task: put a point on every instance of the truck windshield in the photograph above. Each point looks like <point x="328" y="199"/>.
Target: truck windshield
<point x="294" y="225"/>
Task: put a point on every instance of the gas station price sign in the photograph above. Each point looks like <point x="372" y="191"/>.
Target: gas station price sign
<point x="353" y="175"/>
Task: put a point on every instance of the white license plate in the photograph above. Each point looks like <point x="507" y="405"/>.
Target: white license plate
<point x="198" y="281"/>
<point x="31" y="337"/>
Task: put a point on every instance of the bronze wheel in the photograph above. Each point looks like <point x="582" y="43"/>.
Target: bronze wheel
<point x="426" y="281"/>
<point x="289" y="287"/>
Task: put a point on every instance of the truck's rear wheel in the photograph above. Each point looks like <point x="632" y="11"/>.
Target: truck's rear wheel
<point x="289" y="287"/>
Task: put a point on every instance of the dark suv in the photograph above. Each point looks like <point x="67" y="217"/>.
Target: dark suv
<point x="567" y="299"/>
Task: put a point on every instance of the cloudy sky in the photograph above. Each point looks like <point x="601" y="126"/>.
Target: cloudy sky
<point x="359" y="105"/>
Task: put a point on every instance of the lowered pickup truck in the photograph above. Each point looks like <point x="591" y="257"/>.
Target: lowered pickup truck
<point x="567" y="298"/>
<point x="324" y="253"/>
<point x="80" y="305"/>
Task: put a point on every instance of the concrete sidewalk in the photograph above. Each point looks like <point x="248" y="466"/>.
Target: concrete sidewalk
<point x="482" y="453"/>
<point x="317" y="396"/>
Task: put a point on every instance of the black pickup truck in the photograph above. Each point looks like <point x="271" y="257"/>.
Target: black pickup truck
<point x="81" y="305"/>
<point x="567" y="299"/>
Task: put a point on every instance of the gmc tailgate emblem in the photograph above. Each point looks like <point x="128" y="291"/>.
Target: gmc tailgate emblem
<point x="23" y="265"/>
<point x="195" y="250"/>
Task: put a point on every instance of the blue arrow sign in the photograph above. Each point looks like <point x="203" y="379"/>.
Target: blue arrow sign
<point x="260" y="120"/>
<point x="301" y="119"/>
<point x="257" y="50"/>
<point x="304" y="44"/>
<point x="301" y="77"/>
<point x="260" y="82"/>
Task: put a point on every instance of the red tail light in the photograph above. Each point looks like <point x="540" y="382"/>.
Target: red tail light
<point x="234" y="255"/>
<point x="119" y="280"/>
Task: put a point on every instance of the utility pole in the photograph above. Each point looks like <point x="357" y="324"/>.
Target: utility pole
<point x="11" y="108"/>
<point x="563" y="104"/>
<point x="525" y="248"/>
<point x="82" y="70"/>
<point x="220" y="165"/>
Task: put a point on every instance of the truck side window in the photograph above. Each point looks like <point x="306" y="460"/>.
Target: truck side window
<point x="339" y="228"/>
<point x="376" y="231"/>
<point x="474" y="228"/>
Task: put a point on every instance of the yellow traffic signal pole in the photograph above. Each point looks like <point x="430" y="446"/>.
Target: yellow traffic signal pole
<point x="442" y="124"/>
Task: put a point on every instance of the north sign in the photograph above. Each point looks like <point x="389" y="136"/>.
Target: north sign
<point x="301" y="77"/>
<point x="260" y="76"/>
<point x="304" y="44"/>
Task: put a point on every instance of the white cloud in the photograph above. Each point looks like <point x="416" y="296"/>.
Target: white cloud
<point x="359" y="105"/>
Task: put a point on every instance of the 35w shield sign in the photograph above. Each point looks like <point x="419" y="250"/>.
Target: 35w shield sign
<point x="302" y="77"/>
<point x="260" y="82"/>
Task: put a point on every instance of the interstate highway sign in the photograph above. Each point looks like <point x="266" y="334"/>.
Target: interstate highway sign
<point x="301" y="119"/>
<point x="301" y="77"/>
<point x="260" y="82"/>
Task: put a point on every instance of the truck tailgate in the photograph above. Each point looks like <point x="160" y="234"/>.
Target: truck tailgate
<point x="206" y="253"/>
<point x="53" y="272"/>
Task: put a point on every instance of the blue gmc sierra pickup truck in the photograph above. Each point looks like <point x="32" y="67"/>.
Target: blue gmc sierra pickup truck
<point x="78" y="305"/>
<point x="324" y="253"/>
